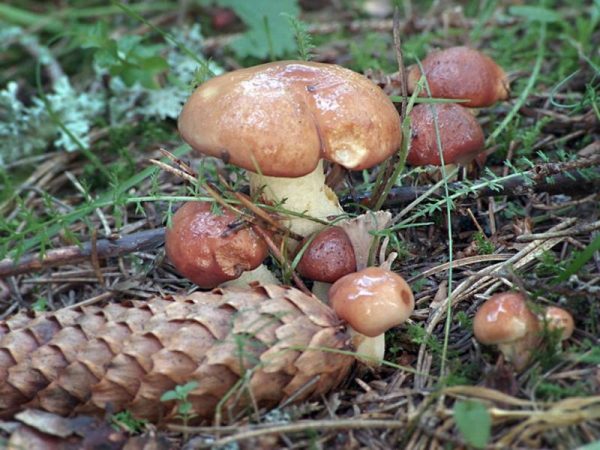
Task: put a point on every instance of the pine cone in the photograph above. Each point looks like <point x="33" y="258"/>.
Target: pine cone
<point x="125" y="356"/>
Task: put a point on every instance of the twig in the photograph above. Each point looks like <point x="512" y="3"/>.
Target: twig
<point x="300" y="426"/>
<point x="577" y="229"/>
<point x="571" y="182"/>
<point x="105" y="248"/>
<point x="282" y="260"/>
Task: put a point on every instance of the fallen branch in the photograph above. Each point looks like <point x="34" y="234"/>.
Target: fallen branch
<point x="568" y="183"/>
<point x="104" y="248"/>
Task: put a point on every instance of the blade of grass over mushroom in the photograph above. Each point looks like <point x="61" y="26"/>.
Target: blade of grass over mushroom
<point x="399" y="98"/>
<point x="449" y="208"/>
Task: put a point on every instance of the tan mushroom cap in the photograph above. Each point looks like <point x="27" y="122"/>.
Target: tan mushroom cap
<point x="462" y="73"/>
<point x="205" y="250"/>
<point x="560" y="319"/>
<point x="281" y="118"/>
<point x="504" y="318"/>
<point x="461" y="135"/>
<point x="372" y="300"/>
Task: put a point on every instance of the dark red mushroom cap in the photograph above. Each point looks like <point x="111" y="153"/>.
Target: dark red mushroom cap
<point x="462" y="73"/>
<point x="328" y="257"/>
<point x="203" y="247"/>
<point x="461" y="135"/>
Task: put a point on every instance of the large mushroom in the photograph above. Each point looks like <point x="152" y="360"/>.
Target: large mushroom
<point x="280" y="120"/>
<point x="372" y="301"/>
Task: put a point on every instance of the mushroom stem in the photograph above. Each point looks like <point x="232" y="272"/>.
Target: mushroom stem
<point x="369" y="350"/>
<point x="308" y="195"/>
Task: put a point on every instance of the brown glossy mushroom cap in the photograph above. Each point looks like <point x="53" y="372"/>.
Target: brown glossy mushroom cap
<point x="462" y="73"/>
<point x="328" y="257"/>
<point x="504" y="318"/>
<point x="281" y="118"/>
<point x="460" y="134"/>
<point x="204" y="249"/>
<point x="372" y="300"/>
<point x="560" y="319"/>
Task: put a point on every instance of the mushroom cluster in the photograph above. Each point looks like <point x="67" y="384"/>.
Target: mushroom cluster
<point x="280" y="122"/>
<point x="459" y="73"/>
<point x="506" y="320"/>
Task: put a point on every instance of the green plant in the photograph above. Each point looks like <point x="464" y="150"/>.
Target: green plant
<point x="126" y="421"/>
<point x="473" y="421"/>
<point x="484" y="245"/>
<point x="180" y="395"/>
<point x="268" y="34"/>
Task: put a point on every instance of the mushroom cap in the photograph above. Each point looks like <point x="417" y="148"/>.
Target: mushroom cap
<point x="328" y="257"/>
<point x="460" y="134"/>
<point x="560" y="319"/>
<point x="281" y="118"/>
<point x="462" y="73"/>
<point x="504" y="318"/>
<point x="203" y="247"/>
<point x="372" y="300"/>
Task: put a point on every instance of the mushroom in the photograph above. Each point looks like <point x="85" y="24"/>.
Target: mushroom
<point x="505" y="320"/>
<point x="559" y="320"/>
<point x="280" y="120"/>
<point x="460" y="134"/>
<point x="462" y="73"/>
<point x="327" y="256"/>
<point x="372" y="301"/>
<point x="205" y="248"/>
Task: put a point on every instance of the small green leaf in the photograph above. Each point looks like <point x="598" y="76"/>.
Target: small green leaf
<point x="535" y="13"/>
<point x="168" y="396"/>
<point x="473" y="421"/>
<point x="274" y="40"/>
<point x="154" y="63"/>
<point x="95" y="36"/>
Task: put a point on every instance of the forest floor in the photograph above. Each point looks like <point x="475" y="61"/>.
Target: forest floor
<point x="89" y="93"/>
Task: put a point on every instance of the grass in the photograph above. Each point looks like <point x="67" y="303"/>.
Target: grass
<point x="551" y="56"/>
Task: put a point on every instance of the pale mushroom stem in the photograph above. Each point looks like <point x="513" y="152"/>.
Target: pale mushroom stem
<point x="308" y="195"/>
<point x="369" y="350"/>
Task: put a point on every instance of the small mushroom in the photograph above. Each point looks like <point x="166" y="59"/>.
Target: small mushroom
<point x="461" y="136"/>
<point x="559" y="319"/>
<point x="505" y="320"/>
<point x="281" y="120"/>
<point x="206" y="249"/>
<point x="462" y="73"/>
<point x="328" y="256"/>
<point x="372" y="301"/>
